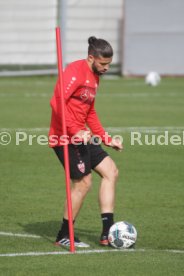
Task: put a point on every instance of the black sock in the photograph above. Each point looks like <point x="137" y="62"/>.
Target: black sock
<point x="64" y="231"/>
<point x="107" y="222"/>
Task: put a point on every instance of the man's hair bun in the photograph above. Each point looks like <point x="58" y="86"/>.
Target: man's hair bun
<point x="99" y="47"/>
<point x="92" y="39"/>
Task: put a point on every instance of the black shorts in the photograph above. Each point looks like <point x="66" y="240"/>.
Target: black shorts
<point x="82" y="158"/>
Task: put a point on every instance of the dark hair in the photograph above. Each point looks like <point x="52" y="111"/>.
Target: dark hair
<point x="99" y="47"/>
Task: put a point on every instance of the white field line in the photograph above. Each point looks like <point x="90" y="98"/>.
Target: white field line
<point x="134" y="82"/>
<point x="142" y="129"/>
<point x="26" y="95"/>
<point x="9" y="234"/>
<point x="104" y="95"/>
<point x="34" y="129"/>
<point x="174" y="251"/>
<point x="138" y="94"/>
<point x="151" y="129"/>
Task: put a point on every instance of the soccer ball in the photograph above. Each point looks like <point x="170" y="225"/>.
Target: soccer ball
<point x="152" y="79"/>
<point x="122" y="234"/>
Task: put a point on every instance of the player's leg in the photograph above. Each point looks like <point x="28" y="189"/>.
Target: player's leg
<point x="79" y="190"/>
<point x="108" y="171"/>
<point x="80" y="173"/>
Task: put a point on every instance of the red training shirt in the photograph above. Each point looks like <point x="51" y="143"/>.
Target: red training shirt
<point x="80" y="87"/>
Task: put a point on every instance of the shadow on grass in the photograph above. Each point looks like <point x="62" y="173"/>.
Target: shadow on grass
<point x="49" y="229"/>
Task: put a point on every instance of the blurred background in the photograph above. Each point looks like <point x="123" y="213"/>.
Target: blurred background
<point x="146" y="35"/>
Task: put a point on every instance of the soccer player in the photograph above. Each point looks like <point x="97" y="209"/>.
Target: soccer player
<point x="81" y="80"/>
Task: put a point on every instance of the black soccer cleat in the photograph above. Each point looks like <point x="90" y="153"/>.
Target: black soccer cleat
<point x="66" y="242"/>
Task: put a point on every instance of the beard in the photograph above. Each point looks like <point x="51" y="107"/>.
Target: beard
<point x="95" y="70"/>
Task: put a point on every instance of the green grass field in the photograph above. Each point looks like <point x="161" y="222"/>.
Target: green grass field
<point x="150" y="191"/>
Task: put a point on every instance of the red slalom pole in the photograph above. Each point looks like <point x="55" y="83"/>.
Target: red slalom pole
<point x="66" y="156"/>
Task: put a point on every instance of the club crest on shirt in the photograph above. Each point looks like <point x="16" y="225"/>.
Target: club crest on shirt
<point x="81" y="167"/>
<point x="85" y="95"/>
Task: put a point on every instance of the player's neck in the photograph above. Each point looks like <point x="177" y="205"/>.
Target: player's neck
<point x="90" y="65"/>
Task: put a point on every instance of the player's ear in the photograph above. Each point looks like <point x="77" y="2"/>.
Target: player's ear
<point x="91" y="59"/>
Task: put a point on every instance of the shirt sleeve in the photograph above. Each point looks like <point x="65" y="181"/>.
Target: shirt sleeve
<point x="71" y="81"/>
<point x="70" y="84"/>
<point x="96" y="127"/>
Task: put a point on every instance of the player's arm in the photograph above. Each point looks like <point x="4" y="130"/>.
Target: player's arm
<point x="71" y="83"/>
<point x="97" y="129"/>
<point x="116" y="143"/>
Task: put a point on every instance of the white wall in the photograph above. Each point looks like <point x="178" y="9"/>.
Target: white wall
<point x="27" y="29"/>
<point x="27" y="34"/>
<point x="154" y="37"/>
<point x="85" y="18"/>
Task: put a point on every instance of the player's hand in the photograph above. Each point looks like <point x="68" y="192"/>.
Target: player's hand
<point x="116" y="144"/>
<point x="83" y="135"/>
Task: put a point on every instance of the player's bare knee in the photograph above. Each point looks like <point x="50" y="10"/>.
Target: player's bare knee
<point x="113" y="174"/>
<point x="83" y="185"/>
<point x="87" y="181"/>
<point x="116" y="173"/>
